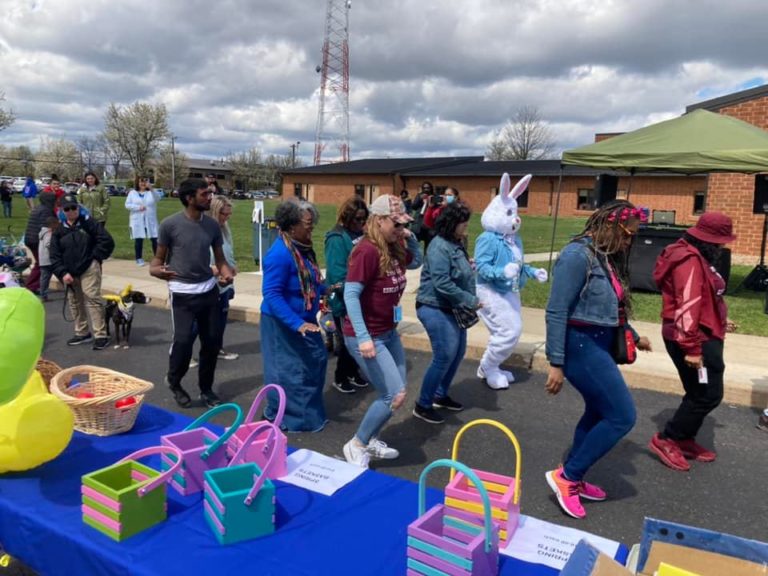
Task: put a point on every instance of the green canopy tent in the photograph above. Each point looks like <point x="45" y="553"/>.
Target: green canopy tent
<point x="698" y="142"/>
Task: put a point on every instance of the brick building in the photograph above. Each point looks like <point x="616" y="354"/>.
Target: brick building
<point x="680" y="197"/>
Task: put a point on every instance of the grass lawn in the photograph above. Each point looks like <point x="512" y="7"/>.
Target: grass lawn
<point x="746" y="307"/>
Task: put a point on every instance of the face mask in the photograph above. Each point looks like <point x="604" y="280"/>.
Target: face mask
<point x="450" y="199"/>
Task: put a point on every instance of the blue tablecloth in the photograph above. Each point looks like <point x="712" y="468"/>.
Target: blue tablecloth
<point x="360" y="530"/>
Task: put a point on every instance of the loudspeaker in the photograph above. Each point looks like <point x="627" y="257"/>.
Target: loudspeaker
<point x="648" y="246"/>
<point x="606" y="186"/>
<point x="760" y="205"/>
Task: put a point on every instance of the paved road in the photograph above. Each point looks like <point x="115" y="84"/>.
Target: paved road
<point x="729" y="495"/>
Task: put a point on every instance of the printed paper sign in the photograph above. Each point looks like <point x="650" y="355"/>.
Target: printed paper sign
<point x="313" y="471"/>
<point x="545" y="543"/>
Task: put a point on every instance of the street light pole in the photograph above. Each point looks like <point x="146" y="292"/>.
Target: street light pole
<point x="294" y="151"/>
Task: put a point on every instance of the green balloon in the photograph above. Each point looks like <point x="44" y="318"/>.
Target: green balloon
<point x="22" y="329"/>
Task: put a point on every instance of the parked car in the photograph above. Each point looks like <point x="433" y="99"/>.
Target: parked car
<point x="111" y="189"/>
<point x="19" y="183"/>
<point x="71" y="187"/>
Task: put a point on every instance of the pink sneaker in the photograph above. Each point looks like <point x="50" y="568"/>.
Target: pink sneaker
<point x="591" y="492"/>
<point x="567" y="493"/>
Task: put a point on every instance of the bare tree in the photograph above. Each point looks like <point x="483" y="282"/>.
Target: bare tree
<point x="17" y="161"/>
<point x="137" y="130"/>
<point x="60" y="157"/>
<point x="524" y="137"/>
<point x="165" y="163"/>
<point x="7" y="117"/>
<point x="247" y="168"/>
<point x="113" y="155"/>
<point x="90" y="150"/>
<point x="274" y="166"/>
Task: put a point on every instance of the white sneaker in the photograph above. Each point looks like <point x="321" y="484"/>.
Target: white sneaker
<point x="224" y="355"/>
<point x="140" y="262"/>
<point x="356" y="454"/>
<point x="193" y="363"/>
<point x="379" y="449"/>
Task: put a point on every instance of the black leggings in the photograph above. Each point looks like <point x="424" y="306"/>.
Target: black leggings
<point x="138" y="247"/>
<point x="699" y="399"/>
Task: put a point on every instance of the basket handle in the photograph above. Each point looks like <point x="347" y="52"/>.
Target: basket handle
<point x="262" y="397"/>
<point x="227" y="433"/>
<point x="271" y="445"/>
<point x="453" y="465"/>
<point x="164" y="476"/>
<point x="508" y="433"/>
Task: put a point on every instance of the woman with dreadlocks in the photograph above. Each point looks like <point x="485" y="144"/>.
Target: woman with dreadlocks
<point x="587" y="309"/>
<point x="291" y="344"/>
<point x="694" y="322"/>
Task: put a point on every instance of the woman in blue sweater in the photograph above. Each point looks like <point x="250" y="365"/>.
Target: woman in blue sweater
<point x="291" y="344"/>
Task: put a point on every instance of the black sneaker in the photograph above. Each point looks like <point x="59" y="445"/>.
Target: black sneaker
<point x="210" y="399"/>
<point x="100" y="343"/>
<point x="358" y="382"/>
<point x="179" y="394"/>
<point x="427" y="414"/>
<point x="77" y="340"/>
<point x="448" y="403"/>
<point x="344" y="386"/>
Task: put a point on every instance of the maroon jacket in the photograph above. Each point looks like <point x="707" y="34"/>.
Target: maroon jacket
<point x="693" y="308"/>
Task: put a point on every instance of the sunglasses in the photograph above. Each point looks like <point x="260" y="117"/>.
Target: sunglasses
<point x="397" y="224"/>
<point x="69" y="208"/>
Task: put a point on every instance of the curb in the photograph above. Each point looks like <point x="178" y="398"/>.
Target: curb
<point x="529" y="354"/>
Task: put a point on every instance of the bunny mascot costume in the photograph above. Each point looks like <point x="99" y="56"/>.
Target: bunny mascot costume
<point x="501" y="273"/>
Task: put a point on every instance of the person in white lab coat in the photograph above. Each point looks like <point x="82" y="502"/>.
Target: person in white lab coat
<point x="142" y="203"/>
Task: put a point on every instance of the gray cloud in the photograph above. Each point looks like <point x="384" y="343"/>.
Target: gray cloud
<point x="427" y="78"/>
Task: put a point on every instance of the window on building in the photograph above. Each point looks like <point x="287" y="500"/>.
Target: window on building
<point x="360" y="190"/>
<point x="522" y="200"/>
<point x="297" y="190"/>
<point x="587" y="199"/>
<point x="699" y="202"/>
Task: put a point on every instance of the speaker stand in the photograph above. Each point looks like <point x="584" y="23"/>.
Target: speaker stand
<point x="757" y="280"/>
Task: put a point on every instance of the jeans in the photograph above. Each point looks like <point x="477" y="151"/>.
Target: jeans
<point x="609" y="410"/>
<point x="188" y="310"/>
<point x="45" y="280"/>
<point x="6" y="208"/>
<point x="386" y="373"/>
<point x="449" y="343"/>
<point x="699" y="399"/>
<point x="138" y="247"/>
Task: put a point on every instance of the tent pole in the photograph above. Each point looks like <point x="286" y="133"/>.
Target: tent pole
<point x="554" y="223"/>
<point x="631" y="177"/>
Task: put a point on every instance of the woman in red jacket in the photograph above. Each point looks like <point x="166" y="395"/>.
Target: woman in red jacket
<point x="694" y="323"/>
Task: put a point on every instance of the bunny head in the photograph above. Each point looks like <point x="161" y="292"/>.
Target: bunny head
<point x="501" y="214"/>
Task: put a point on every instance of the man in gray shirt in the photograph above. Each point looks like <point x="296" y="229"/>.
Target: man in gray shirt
<point x="183" y="255"/>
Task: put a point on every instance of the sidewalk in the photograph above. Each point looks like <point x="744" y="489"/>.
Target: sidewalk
<point x="745" y="356"/>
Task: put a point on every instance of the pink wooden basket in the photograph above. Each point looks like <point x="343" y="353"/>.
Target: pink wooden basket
<point x="256" y="451"/>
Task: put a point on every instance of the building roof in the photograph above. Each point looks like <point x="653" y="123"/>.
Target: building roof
<point x="208" y="164"/>
<point x="716" y="104"/>
<point x="384" y="165"/>
<point x="497" y="168"/>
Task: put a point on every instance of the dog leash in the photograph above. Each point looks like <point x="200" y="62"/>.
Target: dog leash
<point x="67" y="290"/>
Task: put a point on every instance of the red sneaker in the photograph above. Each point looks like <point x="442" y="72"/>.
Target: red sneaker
<point x="669" y="453"/>
<point x="567" y="493"/>
<point x="693" y="451"/>
<point x="591" y="492"/>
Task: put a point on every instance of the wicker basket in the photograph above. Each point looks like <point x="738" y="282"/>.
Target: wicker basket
<point x="48" y="369"/>
<point x="100" y="415"/>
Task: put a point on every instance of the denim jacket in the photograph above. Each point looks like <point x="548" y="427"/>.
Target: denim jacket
<point x="447" y="278"/>
<point x="582" y="291"/>
<point x="492" y="253"/>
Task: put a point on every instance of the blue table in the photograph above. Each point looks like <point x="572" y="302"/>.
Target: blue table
<point x="360" y="530"/>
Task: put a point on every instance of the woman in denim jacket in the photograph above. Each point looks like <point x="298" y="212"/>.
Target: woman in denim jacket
<point x="447" y="283"/>
<point x="590" y="293"/>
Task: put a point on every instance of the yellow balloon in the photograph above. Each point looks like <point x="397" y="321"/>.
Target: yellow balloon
<point x="22" y="329"/>
<point x="35" y="427"/>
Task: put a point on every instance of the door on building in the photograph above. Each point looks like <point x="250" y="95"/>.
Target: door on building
<point x="311" y="193"/>
<point x="373" y="193"/>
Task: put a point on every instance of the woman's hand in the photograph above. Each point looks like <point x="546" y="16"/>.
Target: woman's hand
<point x="308" y="327"/>
<point x="693" y="361"/>
<point x="731" y="326"/>
<point x="644" y="344"/>
<point x="554" y="380"/>
<point x="367" y="349"/>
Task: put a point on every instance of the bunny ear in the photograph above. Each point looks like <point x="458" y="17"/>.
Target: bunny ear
<point x="521" y="186"/>
<point x="504" y="186"/>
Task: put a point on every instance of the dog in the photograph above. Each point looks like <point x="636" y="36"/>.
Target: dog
<point x="119" y="311"/>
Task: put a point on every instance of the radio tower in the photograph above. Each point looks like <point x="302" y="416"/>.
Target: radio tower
<point x="333" y="109"/>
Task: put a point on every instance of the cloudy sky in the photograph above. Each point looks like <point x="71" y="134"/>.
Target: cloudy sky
<point x="427" y="77"/>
